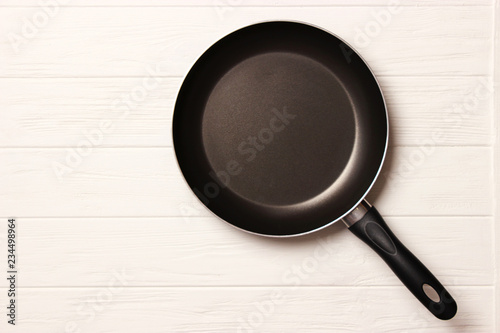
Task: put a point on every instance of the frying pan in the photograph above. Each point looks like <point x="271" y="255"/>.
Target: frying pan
<point x="280" y="129"/>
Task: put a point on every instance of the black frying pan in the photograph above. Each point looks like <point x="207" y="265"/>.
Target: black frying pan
<point x="281" y="129"/>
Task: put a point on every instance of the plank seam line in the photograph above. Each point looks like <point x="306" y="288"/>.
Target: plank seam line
<point x="182" y="76"/>
<point x="366" y="5"/>
<point x="214" y="217"/>
<point x="245" y="287"/>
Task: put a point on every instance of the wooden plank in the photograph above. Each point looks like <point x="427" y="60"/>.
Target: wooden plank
<point x="429" y="180"/>
<point x="117" y="309"/>
<point x="59" y="112"/>
<point x="121" y="209"/>
<point x="112" y="182"/>
<point x="448" y="111"/>
<point x="496" y="160"/>
<point x="226" y="5"/>
<point x="69" y="252"/>
<point x="129" y="41"/>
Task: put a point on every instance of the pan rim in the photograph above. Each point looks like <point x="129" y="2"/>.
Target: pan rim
<point x="362" y="198"/>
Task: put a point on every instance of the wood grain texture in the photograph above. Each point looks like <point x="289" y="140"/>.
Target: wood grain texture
<point x="123" y="217"/>
<point x="317" y="309"/>
<point x="127" y="41"/>
<point x="146" y="182"/>
<point x="61" y="112"/>
<point x="70" y="252"/>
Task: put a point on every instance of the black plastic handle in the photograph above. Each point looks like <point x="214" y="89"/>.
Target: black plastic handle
<point x="373" y="230"/>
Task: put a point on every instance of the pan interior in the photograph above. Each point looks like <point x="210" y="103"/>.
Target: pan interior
<point x="280" y="128"/>
<point x="284" y="126"/>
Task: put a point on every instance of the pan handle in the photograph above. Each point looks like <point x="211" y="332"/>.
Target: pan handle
<point x="366" y="223"/>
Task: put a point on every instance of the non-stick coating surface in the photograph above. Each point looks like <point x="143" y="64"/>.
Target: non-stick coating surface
<point x="280" y="128"/>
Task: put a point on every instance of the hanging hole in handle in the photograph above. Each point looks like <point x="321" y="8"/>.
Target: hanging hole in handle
<point x="431" y="293"/>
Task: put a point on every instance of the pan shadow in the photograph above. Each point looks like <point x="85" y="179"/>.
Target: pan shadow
<point x="332" y="232"/>
<point x="387" y="167"/>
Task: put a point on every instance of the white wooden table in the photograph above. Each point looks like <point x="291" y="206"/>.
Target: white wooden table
<point x="110" y="239"/>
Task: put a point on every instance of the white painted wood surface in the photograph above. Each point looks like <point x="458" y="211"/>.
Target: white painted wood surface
<point x="128" y="41"/>
<point x="496" y="161"/>
<point x="119" y="243"/>
<point x="227" y="5"/>
<point x="242" y="309"/>
<point x="61" y="110"/>
<point x="147" y="182"/>
<point x="164" y="254"/>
